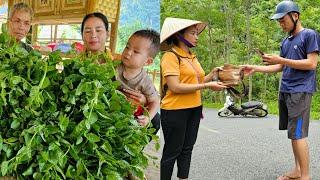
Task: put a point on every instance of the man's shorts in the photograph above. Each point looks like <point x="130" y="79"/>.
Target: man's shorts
<point x="294" y="114"/>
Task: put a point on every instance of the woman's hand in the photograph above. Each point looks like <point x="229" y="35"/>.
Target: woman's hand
<point x="213" y="75"/>
<point x="215" y="86"/>
<point x="136" y="96"/>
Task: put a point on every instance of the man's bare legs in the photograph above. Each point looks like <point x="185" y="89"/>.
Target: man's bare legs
<point x="301" y="155"/>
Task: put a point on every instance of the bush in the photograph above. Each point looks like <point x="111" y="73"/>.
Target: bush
<point x="74" y="124"/>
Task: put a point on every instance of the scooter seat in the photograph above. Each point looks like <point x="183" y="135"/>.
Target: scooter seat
<point x="251" y="104"/>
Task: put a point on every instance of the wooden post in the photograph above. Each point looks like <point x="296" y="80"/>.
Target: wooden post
<point x="55" y="33"/>
<point x="51" y="33"/>
<point x="34" y="35"/>
<point x="114" y="30"/>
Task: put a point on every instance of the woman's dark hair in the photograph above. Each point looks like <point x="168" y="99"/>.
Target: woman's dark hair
<point x="99" y="15"/>
<point x="173" y="39"/>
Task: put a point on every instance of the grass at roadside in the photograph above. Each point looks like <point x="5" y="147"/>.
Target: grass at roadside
<point x="272" y="108"/>
<point x="212" y="105"/>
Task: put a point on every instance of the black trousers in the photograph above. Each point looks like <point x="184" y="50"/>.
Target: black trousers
<point x="180" y="130"/>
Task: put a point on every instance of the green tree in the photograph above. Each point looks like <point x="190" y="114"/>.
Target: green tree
<point x="235" y="28"/>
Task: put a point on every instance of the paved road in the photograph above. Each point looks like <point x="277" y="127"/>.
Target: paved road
<point x="246" y="149"/>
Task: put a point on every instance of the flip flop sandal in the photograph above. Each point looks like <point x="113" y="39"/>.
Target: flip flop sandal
<point x="286" y="177"/>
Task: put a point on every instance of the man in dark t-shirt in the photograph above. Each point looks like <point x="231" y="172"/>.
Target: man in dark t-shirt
<point x="19" y="23"/>
<point x="297" y="61"/>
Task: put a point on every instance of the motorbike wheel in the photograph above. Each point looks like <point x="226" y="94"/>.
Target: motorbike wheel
<point x="225" y="113"/>
<point x="260" y="112"/>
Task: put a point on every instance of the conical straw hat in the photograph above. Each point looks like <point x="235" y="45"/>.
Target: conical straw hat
<point x="172" y="25"/>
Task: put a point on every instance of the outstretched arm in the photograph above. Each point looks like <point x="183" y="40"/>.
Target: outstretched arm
<point x="250" y="69"/>
<point x="174" y="85"/>
<point x="305" y="64"/>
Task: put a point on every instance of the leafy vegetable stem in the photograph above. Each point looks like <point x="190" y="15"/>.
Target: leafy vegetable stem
<point x="88" y="172"/>
<point x="44" y="75"/>
<point x="95" y="99"/>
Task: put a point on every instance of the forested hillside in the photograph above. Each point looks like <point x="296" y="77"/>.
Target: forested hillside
<point x="136" y="15"/>
<point x="235" y="28"/>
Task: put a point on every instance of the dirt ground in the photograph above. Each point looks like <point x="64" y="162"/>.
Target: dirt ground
<point x="153" y="170"/>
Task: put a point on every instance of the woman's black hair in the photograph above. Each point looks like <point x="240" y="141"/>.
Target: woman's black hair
<point x="173" y="39"/>
<point x="99" y="15"/>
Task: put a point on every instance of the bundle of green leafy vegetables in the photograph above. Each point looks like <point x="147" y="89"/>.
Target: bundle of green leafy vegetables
<point x="65" y="124"/>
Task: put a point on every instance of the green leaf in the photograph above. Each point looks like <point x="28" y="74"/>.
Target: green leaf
<point x="91" y="118"/>
<point x="28" y="172"/>
<point x="62" y="161"/>
<point x="104" y="115"/>
<point x="45" y="155"/>
<point x="15" y="80"/>
<point x="54" y="156"/>
<point x="79" y="140"/>
<point x="7" y="149"/>
<point x="27" y="137"/>
<point x="138" y="171"/>
<point x="71" y="172"/>
<point x="1" y="142"/>
<point x="15" y="124"/>
<point x="11" y="140"/>
<point x="157" y="146"/>
<point x="74" y="153"/>
<point x="113" y="175"/>
<point x="24" y="154"/>
<point x="4" y="167"/>
<point x="93" y="138"/>
<point x="81" y="88"/>
<point x="60" y="171"/>
<point x="3" y="96"/>
<point x="37" y="175"/>
<point x="131" y="149"/>
<point x="51" y="129"/>
<point x="63" y="122"/>
<point x="82" y="71"/>
<point x="80" y="168"/>
<point x="107" y="147"/>
<point x="36" y="53"/>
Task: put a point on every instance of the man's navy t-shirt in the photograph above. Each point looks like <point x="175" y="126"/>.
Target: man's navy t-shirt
<point x="298" y="47"/>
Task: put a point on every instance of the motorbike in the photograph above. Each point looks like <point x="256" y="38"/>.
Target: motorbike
<point x="251" y="108"/>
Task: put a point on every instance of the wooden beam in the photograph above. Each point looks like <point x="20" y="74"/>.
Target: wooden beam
<point x="55" y="33"/>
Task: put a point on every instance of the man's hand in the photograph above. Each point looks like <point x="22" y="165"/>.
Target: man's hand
<point x="248" y="69"/>
<point x="269" y="59"/>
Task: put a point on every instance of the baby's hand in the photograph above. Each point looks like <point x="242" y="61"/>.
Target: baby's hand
<point x="143" y="120"/>
<point x="136" y="96"/>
